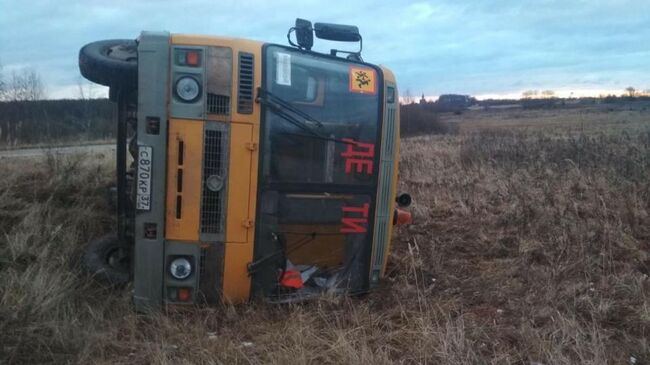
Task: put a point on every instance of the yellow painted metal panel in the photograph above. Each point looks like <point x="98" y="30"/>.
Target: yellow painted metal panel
<point x="184" y="201"/>
<point x="239" y="180"/>
<point x="211" y="40"/>
<point x="252" y="202"/>
<point x="243" y="164"/>
<point x="240" y="218"/>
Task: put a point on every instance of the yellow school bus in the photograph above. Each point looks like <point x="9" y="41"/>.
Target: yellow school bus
<point x="247" y="169"/>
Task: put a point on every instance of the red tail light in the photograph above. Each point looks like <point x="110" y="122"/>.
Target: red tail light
<point x="192" y="58"/>
<point x="184" y="294"/>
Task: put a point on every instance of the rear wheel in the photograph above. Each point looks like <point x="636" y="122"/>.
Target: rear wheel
<point x="112" y="63"/>
<point x="108" y="260"/>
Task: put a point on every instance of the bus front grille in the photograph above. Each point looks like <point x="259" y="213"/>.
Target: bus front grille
<point x="214" y="182"/>
<point x="218" y="104"/>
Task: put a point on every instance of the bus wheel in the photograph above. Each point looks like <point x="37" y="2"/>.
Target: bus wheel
<point x="108" y="260"/>
<point x="112" y="62"/>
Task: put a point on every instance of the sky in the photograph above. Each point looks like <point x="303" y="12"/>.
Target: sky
<point x="485" y="48"/>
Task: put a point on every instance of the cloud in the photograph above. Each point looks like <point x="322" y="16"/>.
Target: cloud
<point x="473" y="46"/>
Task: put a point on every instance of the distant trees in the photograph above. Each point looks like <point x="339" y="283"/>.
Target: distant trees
<point x="536" y="94"/>
<point x="629" y="92"/>
<point x="408" y="98"/>
<point x="632" y="92"/>
<point x="3" y="86"/>
<point x="25" y="84"/>
<point x="25" y="118"/>
<point x="47" y="121"/>
<point x="534" y="99"/>
<point x="529" y="94"/>
<point x="21" y="87"/>
<point x="548" y="94"/>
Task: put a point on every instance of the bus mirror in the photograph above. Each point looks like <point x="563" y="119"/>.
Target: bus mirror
<point x="337" y="32"/>
<point x="304" y="34"/>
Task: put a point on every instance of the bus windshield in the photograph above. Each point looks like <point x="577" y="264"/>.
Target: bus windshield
<point x="318" y="168"/>
<point x="342" y="101"/>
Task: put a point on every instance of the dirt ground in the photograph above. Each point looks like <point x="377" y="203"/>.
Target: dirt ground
<point x="530" y="245"/>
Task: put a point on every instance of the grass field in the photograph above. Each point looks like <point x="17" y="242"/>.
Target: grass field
<point x="530" y="245"/>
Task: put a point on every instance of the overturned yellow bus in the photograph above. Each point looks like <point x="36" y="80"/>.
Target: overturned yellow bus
<point x="247" y="169"/>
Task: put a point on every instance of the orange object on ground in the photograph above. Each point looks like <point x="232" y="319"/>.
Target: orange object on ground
<point x="291" y="279"/>
<point x="402" y="217"/>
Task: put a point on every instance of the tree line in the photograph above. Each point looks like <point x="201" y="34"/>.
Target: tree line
<point x="25" y="118"/>
<point x="24" y="84"/>
<point x="47" y="121"/>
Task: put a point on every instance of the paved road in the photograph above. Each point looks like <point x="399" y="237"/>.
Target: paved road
<point x="96" y="149"/>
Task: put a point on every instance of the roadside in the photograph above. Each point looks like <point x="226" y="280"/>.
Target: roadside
<point x="95" y="149"/>
<point x="57" y="144"/>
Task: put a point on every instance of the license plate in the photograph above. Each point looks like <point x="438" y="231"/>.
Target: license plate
<point x="143" y="196"/>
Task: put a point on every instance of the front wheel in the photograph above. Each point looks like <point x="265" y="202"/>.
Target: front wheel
<point x="108" y="260"/>
<point x="111" y="63"/>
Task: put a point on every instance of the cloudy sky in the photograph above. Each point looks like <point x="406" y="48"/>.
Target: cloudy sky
<point x="478" y="47"/>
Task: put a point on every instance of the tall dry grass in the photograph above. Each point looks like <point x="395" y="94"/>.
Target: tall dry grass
<point x="525" y="249"/>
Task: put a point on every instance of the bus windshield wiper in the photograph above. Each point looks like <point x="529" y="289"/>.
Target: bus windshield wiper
<point x="266" y="96"/>
<point x="280" y="107"/>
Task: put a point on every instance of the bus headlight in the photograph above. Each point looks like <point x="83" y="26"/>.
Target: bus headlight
<point x="180" y="268"/>
<point x="188" y="89"/>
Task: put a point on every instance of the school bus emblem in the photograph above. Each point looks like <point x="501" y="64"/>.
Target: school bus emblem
<point x="363" y="80"/>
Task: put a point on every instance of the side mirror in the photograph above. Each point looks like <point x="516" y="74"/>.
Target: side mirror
<point x="304" y="34"/>
<point x="403" y="200"/>
<point x="328" y="31"/>
<point x="337" y="32"/>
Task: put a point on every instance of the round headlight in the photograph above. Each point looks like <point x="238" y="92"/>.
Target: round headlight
<point x="180" y="268"/>
<point x="188" y="89"/>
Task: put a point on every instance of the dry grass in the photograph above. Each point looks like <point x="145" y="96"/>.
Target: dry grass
<point x="531" y="245"/>
<point x="575" y="120"/>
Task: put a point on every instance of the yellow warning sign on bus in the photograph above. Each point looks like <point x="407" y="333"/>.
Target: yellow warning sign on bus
<point x="363" y="80"/>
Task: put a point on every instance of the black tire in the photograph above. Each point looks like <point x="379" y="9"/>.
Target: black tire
<point x="112" y="62"/>
<point x="108" y="260"/>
